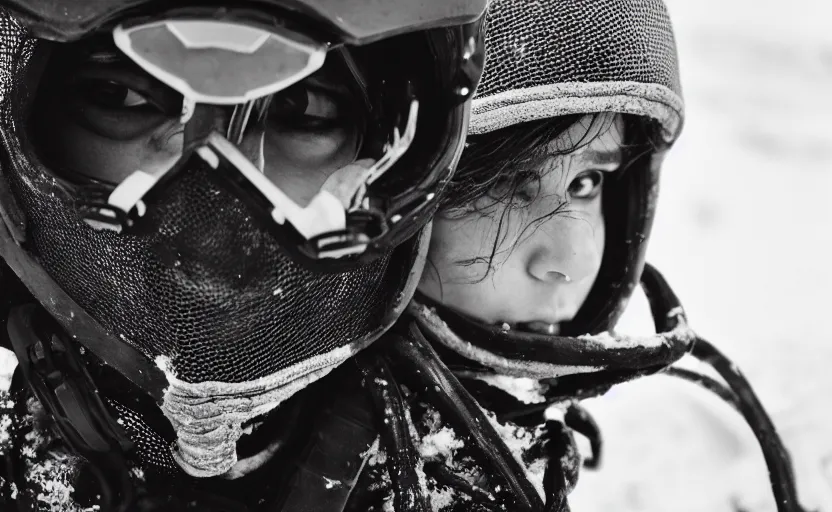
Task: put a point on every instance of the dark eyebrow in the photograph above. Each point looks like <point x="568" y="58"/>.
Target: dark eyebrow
<point x="604" y="157"/>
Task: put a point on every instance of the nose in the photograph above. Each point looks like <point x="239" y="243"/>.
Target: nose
<point x="565" y="249"/>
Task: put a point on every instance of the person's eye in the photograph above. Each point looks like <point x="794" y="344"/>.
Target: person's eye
<point x="116" y="108"/>
<point x="111" y="95"/>
<point x="307" y="109"/>
<point x="311" y="126"/>
<point x="586" y="185"/>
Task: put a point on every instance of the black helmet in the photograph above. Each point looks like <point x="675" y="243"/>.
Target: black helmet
<point x="198" y="274"/>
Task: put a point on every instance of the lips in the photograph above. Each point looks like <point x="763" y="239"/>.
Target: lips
<point x="536" y="327"/>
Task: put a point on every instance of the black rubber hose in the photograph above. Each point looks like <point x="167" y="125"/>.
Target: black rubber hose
<point x="775" y="453"/>
<point x="667" y="314"/>
<point x="665" y="306"/>
<point x="444" y="476"/>
<point x="402" y="458"/>
<point x="554" y="478"/>
<point x="578" y="419"/>
<point x="708" y="383"/>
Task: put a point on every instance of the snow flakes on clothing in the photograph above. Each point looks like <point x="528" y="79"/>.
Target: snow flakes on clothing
<point x="526" y="390"/>
<point x="439" y="442"/>
<point x="48" y="470"/>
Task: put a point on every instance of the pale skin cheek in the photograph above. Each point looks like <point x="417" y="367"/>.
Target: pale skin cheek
<point x="466" y="287"/>
<point x="460" y="240"/>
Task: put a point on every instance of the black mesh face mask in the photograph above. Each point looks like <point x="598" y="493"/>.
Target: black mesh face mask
<point x="194" y="264"/>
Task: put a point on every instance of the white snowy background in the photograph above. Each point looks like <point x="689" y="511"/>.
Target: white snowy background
<point x="743" y="234"/>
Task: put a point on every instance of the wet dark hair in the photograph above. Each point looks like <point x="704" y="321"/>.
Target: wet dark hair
<point x="499" y="161"/>
<point x="498" y="156"/>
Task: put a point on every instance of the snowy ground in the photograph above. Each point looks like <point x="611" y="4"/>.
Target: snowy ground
<point x="743" y="235"/>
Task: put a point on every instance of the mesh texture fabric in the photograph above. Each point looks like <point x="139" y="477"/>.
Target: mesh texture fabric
<point x="223" y="302"/>
<point x="533" y="43"/>
<point x="612" y="46"/>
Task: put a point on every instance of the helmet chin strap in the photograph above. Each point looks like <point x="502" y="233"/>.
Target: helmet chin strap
<point x="580" y="367"/>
